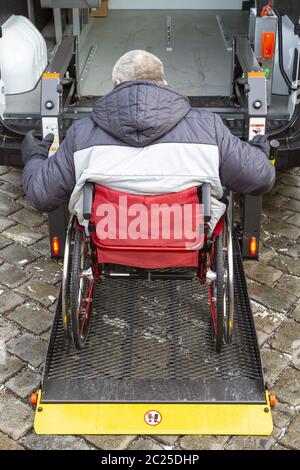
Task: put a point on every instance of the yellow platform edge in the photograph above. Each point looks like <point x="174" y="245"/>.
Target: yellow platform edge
<point x="213" y="418"/>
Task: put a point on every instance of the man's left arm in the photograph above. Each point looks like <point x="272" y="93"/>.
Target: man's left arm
<point x="48" y="182"/>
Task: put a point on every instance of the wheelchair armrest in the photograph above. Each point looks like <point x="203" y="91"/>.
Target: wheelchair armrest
<point x="88" y="197"/>
<point x="206" y="201"/>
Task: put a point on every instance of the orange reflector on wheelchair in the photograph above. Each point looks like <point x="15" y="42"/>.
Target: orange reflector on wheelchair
<point x="253" y="246"/>
<point x="55" y="246"/>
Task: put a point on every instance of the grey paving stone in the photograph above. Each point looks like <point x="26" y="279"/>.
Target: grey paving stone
<point x="12" y="365"/>
<point x="282" y="415"/>
<point x="44" y="228"/>
<point x="271" y="297"/>
<point x="13" y="176"/>
<point x="286" y="264"/>
<point x="16" y="418"/>
<point x="166" y="440"/>
<point x="32" y="317"/>
<point x="19" y="255"/>
<point x="198" y="442"/>
<point x="250" y="443"/>
<point x="296" y="313"/>
<point x="283" y="229"/>
<point x="8" y="206"/>
<point x="271" y="200"/>
<point x="285" y="246"/>
<point x="4" y="169"/>
<point x="42" y="247"/>
<point x="254" y="307"/>
<point x="47" y="270"/>
<point x="34" y="442"/>
<point x="10" y="190"/>
<point x="289" y="284"/>
<point x="46" y="336"/>
<point x="106" y="442"/>
<point x="266" y="323"/>
<point x="287" y="338"/>
<point x="292" y="180"/>
<point x="4" y="242"/>
<point x="294" y="219"/>
<point x="40" y="291"/>
<point x="9" y="300"/>
<point x="287" y="387"/>
<point x="28" y="217"/>
<point x="24" y="383"/>
<point x="28" y="348"/>
<point x="7" y="330"/>
<point x="26" y="203"/>
<point x="278" y="447"/>
<point x="266" y="254"/>
<point x="145" y="444"/>
<point x="274" y="363"/>
<point x="23" y="235"/>
<point x="11" y="276"/>
<point x="292" y="205"/>
<point x="8" y="444"/>
<point x="261" y="337"/>
<point x="277" y="213"/>
<point x="262" y="273"/>
<point x="291" y="438"/>
<point x="5" y="223"/>
<point x="290" y="191"/>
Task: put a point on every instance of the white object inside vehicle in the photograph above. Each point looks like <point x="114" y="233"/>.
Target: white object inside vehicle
<point x="23" y="55"/>
<point x="2" y="98"/>
<point x="175" y="5"/>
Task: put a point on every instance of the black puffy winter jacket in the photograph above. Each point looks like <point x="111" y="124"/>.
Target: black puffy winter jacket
<point x="145" y="138"/>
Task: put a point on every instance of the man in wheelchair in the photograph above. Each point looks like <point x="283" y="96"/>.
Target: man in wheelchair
<point x="144" y="142"/>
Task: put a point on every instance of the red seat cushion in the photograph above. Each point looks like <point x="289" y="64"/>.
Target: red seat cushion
<point x="147" y="231"/>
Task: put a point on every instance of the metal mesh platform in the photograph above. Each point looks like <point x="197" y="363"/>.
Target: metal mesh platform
<point x="153" y="342"/>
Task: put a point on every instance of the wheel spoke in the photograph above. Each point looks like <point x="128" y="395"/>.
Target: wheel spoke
<point x="85" y="307"/>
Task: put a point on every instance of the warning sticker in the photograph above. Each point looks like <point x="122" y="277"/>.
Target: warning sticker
<point x="257" y="126"/>
<point x="153" y="418"/>
<point x="50" y="126"/>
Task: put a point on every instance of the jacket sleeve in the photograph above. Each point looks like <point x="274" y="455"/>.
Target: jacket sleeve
<point x="244" y="168"/>
<point x="48" y="183"/>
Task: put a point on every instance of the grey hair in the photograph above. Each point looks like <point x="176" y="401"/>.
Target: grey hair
<point x="138" y="65"/>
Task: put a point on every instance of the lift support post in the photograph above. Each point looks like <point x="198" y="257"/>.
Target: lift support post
<point x="52" y="100"/>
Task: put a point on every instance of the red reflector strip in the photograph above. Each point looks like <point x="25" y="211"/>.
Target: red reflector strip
<point x="268" y="45"/>
<point x="253" y="246"/>
<point x="55" y="246"/>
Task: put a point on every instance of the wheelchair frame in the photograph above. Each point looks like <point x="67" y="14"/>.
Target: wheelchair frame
<point x="81" y="271"/>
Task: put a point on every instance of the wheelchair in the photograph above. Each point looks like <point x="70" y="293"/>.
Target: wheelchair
<point x="90" y="257"/>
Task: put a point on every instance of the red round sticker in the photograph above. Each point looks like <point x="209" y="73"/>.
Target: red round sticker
<point x="153" y="418"/>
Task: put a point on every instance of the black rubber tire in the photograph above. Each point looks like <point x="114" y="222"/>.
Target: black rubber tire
<point x="66" y="281"/>
<point x="79" y="339"/>
<point x="219" y="284"/>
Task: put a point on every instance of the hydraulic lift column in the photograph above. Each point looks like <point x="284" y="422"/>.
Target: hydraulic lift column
<point x="254" y="85"/>
<point x="50" y="112"/>
<point x="252" y="205"/>
<point x="52" y="101"/>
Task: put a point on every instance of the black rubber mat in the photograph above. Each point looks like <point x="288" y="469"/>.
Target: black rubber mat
<point x="153" y="342"/>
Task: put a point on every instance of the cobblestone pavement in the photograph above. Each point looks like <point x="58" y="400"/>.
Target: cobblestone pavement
<point x="29" y="286"/>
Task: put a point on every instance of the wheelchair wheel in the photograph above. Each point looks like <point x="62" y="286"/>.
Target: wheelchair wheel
<point x="219" y="293"/>
<point x="66" y="279"/>
<point x="221" y="290"/>
<point x="228" y="326"/>
<point x="81" y="290"/>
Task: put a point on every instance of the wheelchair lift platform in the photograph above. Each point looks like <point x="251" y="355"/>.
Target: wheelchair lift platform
<point x="150" y="366"/>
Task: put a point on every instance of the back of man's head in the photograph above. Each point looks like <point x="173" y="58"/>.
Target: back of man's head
<point x="138" y="65"/>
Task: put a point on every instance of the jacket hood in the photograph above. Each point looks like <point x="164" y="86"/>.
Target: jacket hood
<point x="140" y="112"/>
